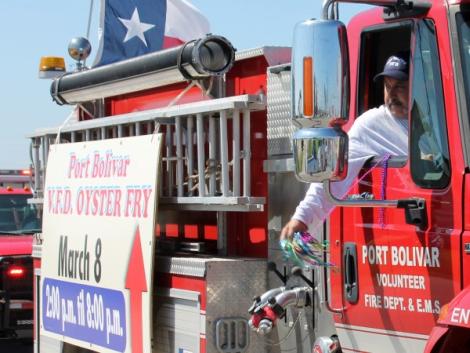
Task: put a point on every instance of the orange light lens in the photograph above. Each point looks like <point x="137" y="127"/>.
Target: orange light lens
<point x="308" y="86"/>
<point x="444" y="311"/>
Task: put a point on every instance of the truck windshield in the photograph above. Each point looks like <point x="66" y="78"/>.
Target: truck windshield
<point x="17" y="216"/>
<point x="429" y="150"/>
<point x="463" y="29"/>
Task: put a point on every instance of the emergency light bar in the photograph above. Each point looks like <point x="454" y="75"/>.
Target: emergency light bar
<point x="15" y="172"/>
<point x="15" y="176"/>
<point x="198" y="59"/>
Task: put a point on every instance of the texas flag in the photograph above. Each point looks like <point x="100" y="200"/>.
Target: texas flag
<point x="135" y="27"/>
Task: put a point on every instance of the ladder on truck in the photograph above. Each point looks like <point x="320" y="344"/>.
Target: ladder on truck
<point x="206" y="165"/>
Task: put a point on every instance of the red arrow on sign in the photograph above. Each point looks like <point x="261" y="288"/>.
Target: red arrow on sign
<point x="136" y="283"/>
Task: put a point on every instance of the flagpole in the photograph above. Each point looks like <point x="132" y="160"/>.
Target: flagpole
<point x="89" y="20"/>
<point x="89" y="25"/>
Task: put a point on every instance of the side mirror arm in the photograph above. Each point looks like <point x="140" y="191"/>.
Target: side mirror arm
<point x="415" y="208"/>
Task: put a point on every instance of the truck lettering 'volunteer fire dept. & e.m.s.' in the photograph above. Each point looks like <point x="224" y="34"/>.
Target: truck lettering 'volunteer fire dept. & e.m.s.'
<point x="165" y="198"/>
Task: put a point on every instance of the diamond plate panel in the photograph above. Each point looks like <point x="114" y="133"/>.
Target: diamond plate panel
<point x="273" y="55"/>
<point x="280" y="128"/>
<point x="181" y="266"/>
<point x="284" y="194"/>
<point x="231" y="287"/>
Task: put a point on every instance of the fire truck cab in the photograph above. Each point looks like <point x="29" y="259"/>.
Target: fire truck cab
<point x="402" y="260"/>
<point x="228" y="186"/>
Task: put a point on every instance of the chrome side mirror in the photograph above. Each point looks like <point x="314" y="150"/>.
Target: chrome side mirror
<point x="320" y="100"/>
<point x="320" y="74"/>
<point x="320" y="154"/>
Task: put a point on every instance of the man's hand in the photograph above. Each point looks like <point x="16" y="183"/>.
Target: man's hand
<point x="291" y="227"/>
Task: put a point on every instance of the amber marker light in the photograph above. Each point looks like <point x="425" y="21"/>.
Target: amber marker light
<point x="308" y="86"/>
<point x="443" y="312"/>
<point x="51" y="67"/>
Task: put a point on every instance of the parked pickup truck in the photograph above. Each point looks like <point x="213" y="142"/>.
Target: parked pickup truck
<point x="18" y="223"/>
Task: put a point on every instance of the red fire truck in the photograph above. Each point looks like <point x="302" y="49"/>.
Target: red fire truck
<point x="18" y="222"/>
<point x="228" y="186"/>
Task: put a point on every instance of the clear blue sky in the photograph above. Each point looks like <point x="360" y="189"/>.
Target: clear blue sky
<point x="31" y="29"/>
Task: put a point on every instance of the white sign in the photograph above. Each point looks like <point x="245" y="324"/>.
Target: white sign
<point x="97" y="257"/>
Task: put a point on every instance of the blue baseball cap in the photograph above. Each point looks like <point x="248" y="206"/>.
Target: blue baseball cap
<point x="396" y="67"/>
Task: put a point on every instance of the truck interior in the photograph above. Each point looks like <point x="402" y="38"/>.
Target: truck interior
<point x="377" y="44"/>
<point x="428" y="143"/>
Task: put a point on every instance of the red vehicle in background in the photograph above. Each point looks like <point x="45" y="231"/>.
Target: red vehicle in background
<point x="18" y="223"/>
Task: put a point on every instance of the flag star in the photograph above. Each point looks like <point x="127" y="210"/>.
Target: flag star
<point x="135" y="28"/>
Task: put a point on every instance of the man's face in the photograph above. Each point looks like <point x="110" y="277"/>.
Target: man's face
<point x="396" y="97"/>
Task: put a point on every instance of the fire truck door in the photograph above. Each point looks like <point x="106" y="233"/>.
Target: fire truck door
<point x="466" y="236"/>
<point x="402" y="273"/>
<point x="461" y="20"/>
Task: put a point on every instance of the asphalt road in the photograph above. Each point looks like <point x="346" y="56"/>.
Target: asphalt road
<point x="15" y="346"/>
